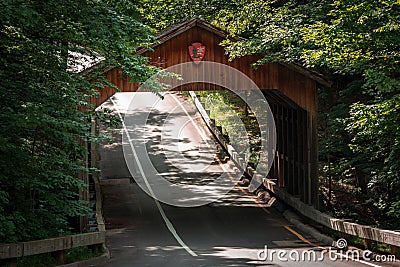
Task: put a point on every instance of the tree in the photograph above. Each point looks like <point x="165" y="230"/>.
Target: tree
<point x="44" y="108"/>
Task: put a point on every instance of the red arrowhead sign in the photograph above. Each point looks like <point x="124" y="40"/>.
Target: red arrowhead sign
<point x="197" y="52"/>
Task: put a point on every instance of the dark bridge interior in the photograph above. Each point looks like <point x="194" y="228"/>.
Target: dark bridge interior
<point x="290" y="169"/>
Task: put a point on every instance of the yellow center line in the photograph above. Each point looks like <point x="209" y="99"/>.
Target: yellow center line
<point x="302" y="238"/>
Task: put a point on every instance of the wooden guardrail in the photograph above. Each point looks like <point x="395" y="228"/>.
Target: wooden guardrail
<point x="363" y="231"/>
<point x="58" y="244"/>
<point x="368" y="233"/>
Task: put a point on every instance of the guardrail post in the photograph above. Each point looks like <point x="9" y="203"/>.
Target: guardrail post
<point x="59" y="255"/>
<point x="367" y="243"/>
<point x="11" y="262"/>
<point x="395" y="250"/>
<point x="96" y="248"/>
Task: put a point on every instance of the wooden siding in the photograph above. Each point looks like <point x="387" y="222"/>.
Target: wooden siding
<point x="296" y="86"/>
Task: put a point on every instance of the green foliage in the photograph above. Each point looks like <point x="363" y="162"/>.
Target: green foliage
<point x="160" y="14"/>
<point x="44" y="108"/>
<point x="81" y="253"/>
<point x="238" y="122"/>
<point x="342" y="36"/>
<point x="376" y="144"/>
<point x="41" y="260"/>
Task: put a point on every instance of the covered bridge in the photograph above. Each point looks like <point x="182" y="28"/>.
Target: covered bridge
<point x="290" y="90"/>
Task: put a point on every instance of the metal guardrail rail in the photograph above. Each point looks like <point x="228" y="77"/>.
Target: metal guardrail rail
<point x="389" y="237"/>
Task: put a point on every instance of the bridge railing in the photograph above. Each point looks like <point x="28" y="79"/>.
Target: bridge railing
<point x="365" y="232"/>
<point x="57" y="246"/>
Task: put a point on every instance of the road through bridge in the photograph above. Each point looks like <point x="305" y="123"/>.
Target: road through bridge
<point x="235" y="230"/>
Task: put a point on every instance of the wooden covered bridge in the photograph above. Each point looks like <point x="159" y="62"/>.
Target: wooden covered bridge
<point x="290" y="90"/>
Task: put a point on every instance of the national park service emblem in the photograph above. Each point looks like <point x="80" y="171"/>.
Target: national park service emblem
<point x="197" y="52"/>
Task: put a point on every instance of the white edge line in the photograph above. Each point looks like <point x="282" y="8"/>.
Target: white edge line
<point x="197" y="128"/>
<point x="160" y="209"/>
<point x="191" y="119"/>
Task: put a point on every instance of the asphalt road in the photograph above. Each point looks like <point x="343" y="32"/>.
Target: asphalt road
<point x="232" y="231"/>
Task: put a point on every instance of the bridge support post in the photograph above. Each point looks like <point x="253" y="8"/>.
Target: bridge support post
<point x="84" y="194"/>
<point x="395" y="250"/>
<point x="9" y="262"/>
<point x="59" y="256"/>
<point x="314" y="161"/>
